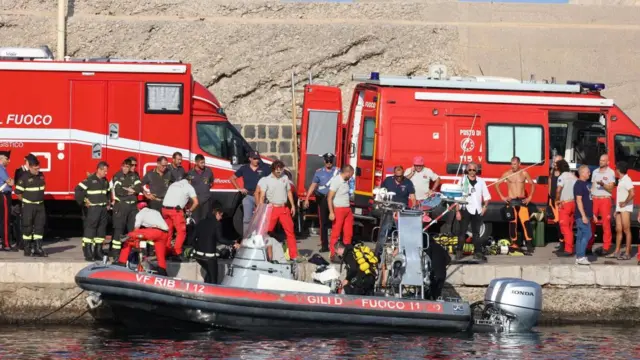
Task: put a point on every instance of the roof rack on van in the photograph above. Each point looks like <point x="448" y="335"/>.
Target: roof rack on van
<point x="468" y="82"/>
<point x="23" y="53"/>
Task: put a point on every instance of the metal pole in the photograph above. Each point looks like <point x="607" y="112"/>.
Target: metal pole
<point x="294" y="130"/>
<point x="62" y="4"/>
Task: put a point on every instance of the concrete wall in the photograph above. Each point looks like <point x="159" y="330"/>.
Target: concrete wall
<point x="245" y="50"/>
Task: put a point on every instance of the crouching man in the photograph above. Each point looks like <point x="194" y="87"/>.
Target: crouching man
<point x="361" y="265"/>
<point x="149" y="226"/>
<point x="208" y="237"/>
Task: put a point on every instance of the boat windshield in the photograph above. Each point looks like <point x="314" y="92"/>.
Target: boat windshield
<point x="259" y="222"/>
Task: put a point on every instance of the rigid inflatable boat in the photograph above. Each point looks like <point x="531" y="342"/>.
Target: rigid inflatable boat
<point x="258" y="294"/>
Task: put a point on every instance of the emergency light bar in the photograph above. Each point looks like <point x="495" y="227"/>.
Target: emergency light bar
<point x="471" y="83"/>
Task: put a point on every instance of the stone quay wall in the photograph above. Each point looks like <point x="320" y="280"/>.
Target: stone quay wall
<point x="246" y="50"/>
<point x="571" y="294"/>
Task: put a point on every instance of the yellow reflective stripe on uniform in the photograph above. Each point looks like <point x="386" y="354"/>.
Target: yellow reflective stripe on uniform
<point x="37" y="237"/>
<point x="18" y="187"/>
<point x="96" y="192"/>
<point x="149" y="242"/>
<point x="34" y="188"/>
<point x="98" y="240"/>
<point x="82" y="186"/>
<point x="31" y="202"/>
<point x="116" y="245"/>
<point x="100" y="204"/>
<point x="3" y="186"/>
<point x="137" y="182"/>
<point x="116" y="198"/>
<point x="87" y="240"/>
<point x="26" y="237"/>
<point x="117" y="183"/>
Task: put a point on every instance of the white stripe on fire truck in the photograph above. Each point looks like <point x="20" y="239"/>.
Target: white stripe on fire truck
<point x="93" y="67"/>
<point x="89" y="138"/>
<point x="513" y="99"/>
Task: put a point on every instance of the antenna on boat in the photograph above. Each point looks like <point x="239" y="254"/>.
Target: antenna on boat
<point x="480" y="67"/>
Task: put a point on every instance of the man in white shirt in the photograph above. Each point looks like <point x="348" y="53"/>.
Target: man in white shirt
<point x="421" y="177"/>
<point x="340" y="209"/>
<point x="624" y="208"/>
<point x="602" y="180"/>
<point x="175" y="200"/>
<point x="566" y="204"/>
<point x="149" y="226"/>
<point x="477" y="201"/>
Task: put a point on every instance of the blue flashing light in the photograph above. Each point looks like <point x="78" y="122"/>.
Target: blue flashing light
<point x="375" y="76"/>
<point x="587" y="85"/>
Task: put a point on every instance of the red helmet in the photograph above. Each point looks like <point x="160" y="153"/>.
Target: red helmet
<point x="142" y="205"/>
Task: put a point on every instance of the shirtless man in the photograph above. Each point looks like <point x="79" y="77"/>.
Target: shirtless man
<point x="515" y="179"/>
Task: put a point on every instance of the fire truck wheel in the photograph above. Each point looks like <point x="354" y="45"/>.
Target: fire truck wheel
<point x="485" y="230"/>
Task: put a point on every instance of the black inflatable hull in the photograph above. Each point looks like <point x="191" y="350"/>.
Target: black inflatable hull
<point x="136" y="298"/>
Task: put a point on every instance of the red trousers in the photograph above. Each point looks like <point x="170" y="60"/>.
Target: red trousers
<point x="175" y="221"/>
<point x="158" y="237"/>
<point x="282" y="214"/>
<point x="342" y="224"/>
<point x="602" y="208"/>
<point x="566" y="212"/>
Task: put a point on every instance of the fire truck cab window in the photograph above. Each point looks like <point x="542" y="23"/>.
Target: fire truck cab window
<point x="366" y="152"/>
<point x="627" y="148"/>
<point x="218" y="139"/>
<point x="507" y="141"/>
<point x="163" y="98"/>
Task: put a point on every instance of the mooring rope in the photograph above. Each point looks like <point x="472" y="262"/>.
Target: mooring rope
<point x="61" y="307"/>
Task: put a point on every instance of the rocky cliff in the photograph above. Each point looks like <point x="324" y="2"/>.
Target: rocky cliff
<point x="246" y="50"/>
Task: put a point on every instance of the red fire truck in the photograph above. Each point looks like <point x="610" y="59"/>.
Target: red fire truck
<point x="73" y="114"/>
<point x="453" y="121"/>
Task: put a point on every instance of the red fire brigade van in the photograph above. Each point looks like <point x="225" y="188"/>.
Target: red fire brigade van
<point x="74" y="114"/>
<point x="458" y="120"/>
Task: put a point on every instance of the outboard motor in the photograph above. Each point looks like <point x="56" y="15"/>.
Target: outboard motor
<point x="513" y="302"/>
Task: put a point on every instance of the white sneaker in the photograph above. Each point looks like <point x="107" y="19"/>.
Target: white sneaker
<point x="582" y="261"/>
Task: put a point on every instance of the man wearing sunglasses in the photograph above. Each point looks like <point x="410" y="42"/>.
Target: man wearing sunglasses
<point x="472" y="213"/>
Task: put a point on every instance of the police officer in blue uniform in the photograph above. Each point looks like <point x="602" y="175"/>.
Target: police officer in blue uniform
<point x="320" y="185"/>
<point x="400" y="185"/>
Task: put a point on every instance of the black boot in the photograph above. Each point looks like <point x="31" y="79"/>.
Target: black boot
<point x="98" y="253"/>
<point x="87" y="251"/>
<point x="38" y="251"/>
<point x="162" y="272"/>
<point x="27" y="248"/>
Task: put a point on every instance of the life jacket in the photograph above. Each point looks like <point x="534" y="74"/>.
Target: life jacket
<point x="366" y="259"/>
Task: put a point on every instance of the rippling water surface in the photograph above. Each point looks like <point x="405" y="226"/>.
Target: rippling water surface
<point x="574" y="342"/>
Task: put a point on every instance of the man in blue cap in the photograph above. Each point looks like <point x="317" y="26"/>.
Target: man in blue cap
<point x="6" y="187"/>
<point x="250" y="173"/>
<point x="320" y="185"/>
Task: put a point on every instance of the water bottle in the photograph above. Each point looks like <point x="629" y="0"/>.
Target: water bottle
<point x="352" y="185"/>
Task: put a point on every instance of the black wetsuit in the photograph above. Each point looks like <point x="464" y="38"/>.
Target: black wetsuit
<point x="208" y="235"/>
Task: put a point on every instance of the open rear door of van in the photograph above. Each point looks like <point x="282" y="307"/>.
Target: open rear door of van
<point x="320" y="131"/>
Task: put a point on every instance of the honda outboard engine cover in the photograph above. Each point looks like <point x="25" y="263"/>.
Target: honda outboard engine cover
<point x="519" y="300"/>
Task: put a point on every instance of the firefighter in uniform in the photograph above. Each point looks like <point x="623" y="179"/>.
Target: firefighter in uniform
<point x="201" y="178"/>
<point x="17" y="209"/>
<point x="93" y="193"/>
<point x="360" y="263"/>
<point x="30" y="190"/>
<point x="175" y="168"/>
<point x="320" y="185"/>
<point x="126" y="187"/>
<point x="158" y="182"/>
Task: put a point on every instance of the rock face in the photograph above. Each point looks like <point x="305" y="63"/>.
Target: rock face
<point x="246" y="50"/>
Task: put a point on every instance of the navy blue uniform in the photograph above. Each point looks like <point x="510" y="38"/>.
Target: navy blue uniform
<point x="402" y="190"/>
<point x="322" y="178"/>
<point x="251" y="177"/>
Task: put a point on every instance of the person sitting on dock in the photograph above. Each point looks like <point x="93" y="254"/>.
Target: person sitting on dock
<point x="361" y="265"/>
<point x="149" y="226"/>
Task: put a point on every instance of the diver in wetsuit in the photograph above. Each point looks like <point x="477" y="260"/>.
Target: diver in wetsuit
<point x="361" y="268"/>
<point x="208" y="233"/>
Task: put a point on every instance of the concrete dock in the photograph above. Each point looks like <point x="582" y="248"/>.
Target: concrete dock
<point x="608" y="290"/>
